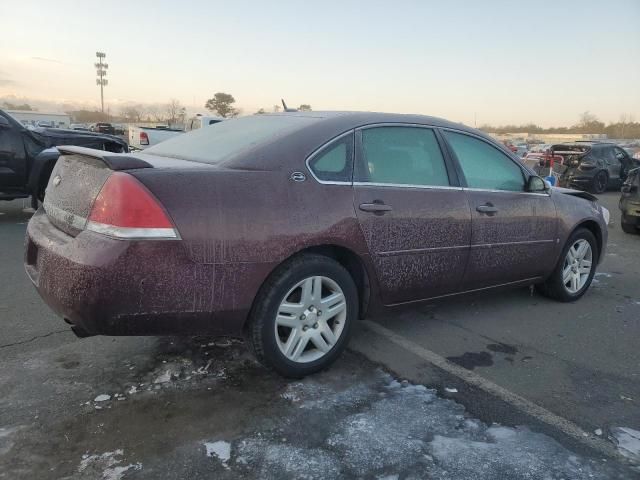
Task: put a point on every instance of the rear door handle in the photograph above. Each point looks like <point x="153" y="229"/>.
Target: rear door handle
<point x="489" y="209"/>
<point x="377" y="208"/>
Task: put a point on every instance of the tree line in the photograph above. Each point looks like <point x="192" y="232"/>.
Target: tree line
<point x="625" y="127"/>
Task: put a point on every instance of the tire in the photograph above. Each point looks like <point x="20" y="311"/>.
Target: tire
<point x="554" y="287"/>
<point x="600" y="181"/>
<point x="268" y="339"/>
<point x="628" y="227"/>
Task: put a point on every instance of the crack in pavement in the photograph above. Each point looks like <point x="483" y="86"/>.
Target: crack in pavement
<point x="34" y="338"/>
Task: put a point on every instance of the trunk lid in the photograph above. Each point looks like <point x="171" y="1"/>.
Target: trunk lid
<point x="76" y="181"/>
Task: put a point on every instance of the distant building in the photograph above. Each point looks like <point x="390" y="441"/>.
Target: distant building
<point x="34" y="119"/>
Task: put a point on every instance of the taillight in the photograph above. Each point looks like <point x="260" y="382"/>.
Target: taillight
<point x="124" y="208"/>
<point x="144" y="138"/>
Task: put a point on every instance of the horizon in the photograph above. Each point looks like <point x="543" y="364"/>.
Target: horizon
<point x="496" y="63"/>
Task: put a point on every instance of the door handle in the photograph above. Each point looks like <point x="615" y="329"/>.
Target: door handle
<point x="377" y="208"/>
<point x="488" y="208"/>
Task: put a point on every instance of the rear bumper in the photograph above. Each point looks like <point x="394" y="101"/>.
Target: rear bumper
<point x="107" y="286"/>
<point x="630" y="208"/>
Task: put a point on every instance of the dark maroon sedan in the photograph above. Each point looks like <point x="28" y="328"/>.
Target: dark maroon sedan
<point x="286" y="228"/>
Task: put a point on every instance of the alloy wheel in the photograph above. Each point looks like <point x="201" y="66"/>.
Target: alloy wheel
<point x="310" y="319"/>
<point x="577" y="266"/>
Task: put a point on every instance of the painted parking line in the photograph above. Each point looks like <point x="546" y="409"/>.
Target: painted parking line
<point x="523" y="405"/>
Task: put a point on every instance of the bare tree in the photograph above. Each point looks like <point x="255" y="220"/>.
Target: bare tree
<point x="175" y="112"/>
<point x="304" y="107"/>
<point x="276" y="108"/>
<point x="132" y="113"/>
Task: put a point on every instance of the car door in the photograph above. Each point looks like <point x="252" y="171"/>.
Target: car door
<point x="513" y="231"/>
<point x="13" y="164"/>
<point x="612" y="164"/>
<point x="624" y="161"/>
<point x="413" y="213"/>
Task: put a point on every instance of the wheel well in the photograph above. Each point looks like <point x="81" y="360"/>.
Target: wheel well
<point x="594" y="228"/>
<point x="353" y="264"/>
<point x="43" y="179"/>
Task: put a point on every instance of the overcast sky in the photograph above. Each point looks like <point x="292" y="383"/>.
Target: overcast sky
<point x="504" y="61"/>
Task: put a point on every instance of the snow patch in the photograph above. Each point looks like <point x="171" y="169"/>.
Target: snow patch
<point x="219" y="449"/>
<point x="102" y="398"/>
<point x="628" y="442"/>
<point x="451" y="390"/>
<point x="164" y="378"/>
<point x="106" y="465"/>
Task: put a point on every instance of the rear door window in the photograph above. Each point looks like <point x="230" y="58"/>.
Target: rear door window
<point x="484" y="166"/>
<point x="401" y="156"/>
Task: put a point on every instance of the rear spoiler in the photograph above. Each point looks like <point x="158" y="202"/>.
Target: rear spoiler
<point x="115" y="161"/>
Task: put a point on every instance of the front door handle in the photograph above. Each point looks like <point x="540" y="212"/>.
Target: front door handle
<point x="377" y="208"/>
<point x="488" y="208"/>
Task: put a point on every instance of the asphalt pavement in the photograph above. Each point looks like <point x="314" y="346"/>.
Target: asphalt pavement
<point x="145" y="407"/>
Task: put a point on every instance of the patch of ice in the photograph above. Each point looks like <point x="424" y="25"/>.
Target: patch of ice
<point x="220" y="449"/>
<point x="628" y="442"/>
<point x="105" y="465"/>
<point x="102" y="398"/>
<point x="164" y="378"/>
<point x="603" y="274"/>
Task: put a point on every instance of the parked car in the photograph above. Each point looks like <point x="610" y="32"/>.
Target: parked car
<point x="286" y="228"/>
<point x="630" y="202"/>
<point x="144" y="137"/>
<point x="102" y="127"/>
<point x="593" y="166"/>
<point x="79" y="126"/>
<point x="27" y="157"/>
<point x="118" y="129"/>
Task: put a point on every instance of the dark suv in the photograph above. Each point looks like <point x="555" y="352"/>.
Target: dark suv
<point x="593" y="166"/>
<point x="630" y="202"/>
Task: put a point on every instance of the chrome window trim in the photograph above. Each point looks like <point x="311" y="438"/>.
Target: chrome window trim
<point x="396" y="124"/>
<point x="318" y="150"/>
<point x="406" y="185"/>
<point x="488" y="190"/>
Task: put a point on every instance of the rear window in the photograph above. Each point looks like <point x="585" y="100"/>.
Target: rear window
<point x="228" y="138"/>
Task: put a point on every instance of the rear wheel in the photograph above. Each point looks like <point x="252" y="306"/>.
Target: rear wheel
<point x="600" y="182"/>
<point x="575" y="270"/>
<point x="302" y="318"/>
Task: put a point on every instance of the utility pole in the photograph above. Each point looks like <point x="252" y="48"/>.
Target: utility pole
<point x="101" y="71"/>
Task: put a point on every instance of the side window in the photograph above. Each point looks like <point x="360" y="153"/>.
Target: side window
<point x="401" y="155"/>
<point x="334" y="163"/>
<point x="211" y="122"/>
<point x="484" y="166"/>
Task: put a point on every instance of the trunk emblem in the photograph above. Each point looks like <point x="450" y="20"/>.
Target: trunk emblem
<point x="298" y="177"/>
<point x="56" y="180"/>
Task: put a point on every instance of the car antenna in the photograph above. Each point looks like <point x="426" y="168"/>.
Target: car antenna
<point x="286" y="109"/>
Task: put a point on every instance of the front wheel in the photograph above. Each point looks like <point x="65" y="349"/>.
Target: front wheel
<point x="575" y="270"/>
<point x="302" y="317"/>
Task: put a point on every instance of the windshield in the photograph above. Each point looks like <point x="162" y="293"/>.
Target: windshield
<point x="215" y="144"/>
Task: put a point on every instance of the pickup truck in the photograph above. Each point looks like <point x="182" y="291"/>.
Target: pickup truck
<point x="27" y="156"/>
<point x="144" y="137"/>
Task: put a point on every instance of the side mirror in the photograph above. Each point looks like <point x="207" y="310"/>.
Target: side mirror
<point x="4" y="123"/>
<point x="536" y="184"/>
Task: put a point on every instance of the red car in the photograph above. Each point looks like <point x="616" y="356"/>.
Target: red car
<point x="286" y="228"/>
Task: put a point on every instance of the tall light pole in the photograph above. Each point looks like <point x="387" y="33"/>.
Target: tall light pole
<point x="101" y="70"/>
